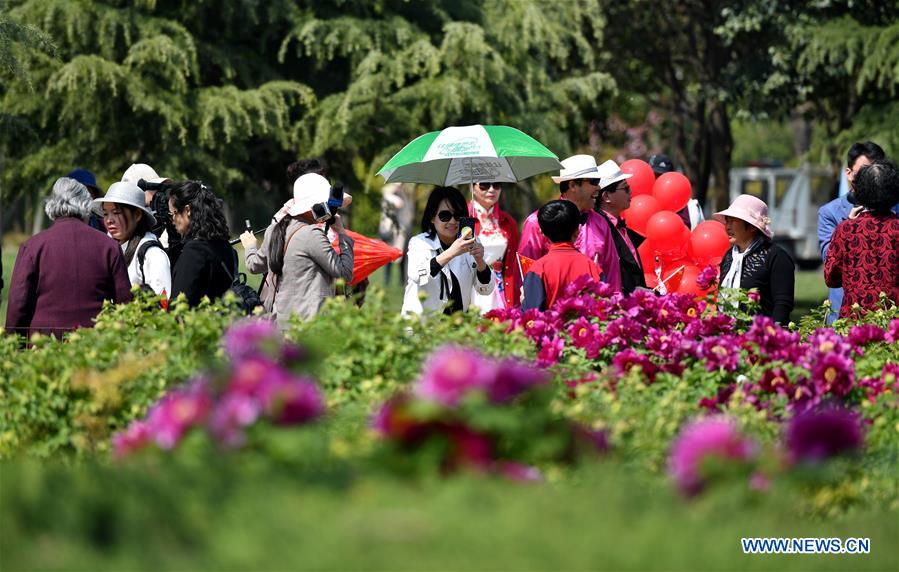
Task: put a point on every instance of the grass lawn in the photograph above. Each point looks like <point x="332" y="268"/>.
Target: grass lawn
<point x="810" y="288"/>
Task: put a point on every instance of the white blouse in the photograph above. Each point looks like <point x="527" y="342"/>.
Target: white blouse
<point x="157" y="272"/>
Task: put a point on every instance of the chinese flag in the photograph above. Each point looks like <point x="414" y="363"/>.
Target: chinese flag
<point x="524" y="265"/>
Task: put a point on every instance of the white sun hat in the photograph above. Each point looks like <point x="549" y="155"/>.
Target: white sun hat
<point x="578" y="167"/>
<point x="308" y="190"/>
<point x="125" y="194"/>
<point x="139" y="171"/>
<point x="610" y="173"/>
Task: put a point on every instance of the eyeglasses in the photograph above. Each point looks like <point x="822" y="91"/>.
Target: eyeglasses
<point x="172" y="213"/>
<point x="485" y="186"/>
<point x="445" y="216"/>
<point x="626" y="188"/>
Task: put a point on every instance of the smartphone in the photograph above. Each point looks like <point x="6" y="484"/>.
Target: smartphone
<point x="469" y="222"/>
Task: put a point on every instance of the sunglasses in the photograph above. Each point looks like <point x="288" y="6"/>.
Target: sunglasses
<point x="485" y="186"/>
<point x="445" y="216"/>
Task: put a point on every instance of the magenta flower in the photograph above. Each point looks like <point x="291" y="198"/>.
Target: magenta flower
<point x="890" y="375"/>
<point x="177" y="412"/>
<point x="452" y="371"/>
<point x="231" y="415"/>
<point x="252" y="337"/>
<point x="583" y="332"/>
<point x="776" y="380"/>
<point x="754" y="295"/>
<point x="814" y="436"/>
<point x="722" y="352"/>
<point x="135" y="437"/>
<point x="519" y="472"/>
<point x="713" y="404"/>
<point x="700" y="441"/>
<point x="892" y="335"/>
<point x="514" y="378"/>
<point x="294" y="401"/>
<point x="865" y="334"/>
<point x="250" y="374"/>
<point x="550" y="351"/>
<point x="834" y="373"/>
<point x="629" y="358"/>
<point x="707" y="277"/>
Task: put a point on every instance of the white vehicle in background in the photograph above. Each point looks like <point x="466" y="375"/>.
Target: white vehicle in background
<point x="793" y="197"/>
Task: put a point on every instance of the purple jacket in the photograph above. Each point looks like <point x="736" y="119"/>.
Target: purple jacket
<point x="61" y="278"/>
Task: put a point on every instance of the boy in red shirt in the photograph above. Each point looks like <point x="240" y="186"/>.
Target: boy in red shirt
<point x="548" y="276"/>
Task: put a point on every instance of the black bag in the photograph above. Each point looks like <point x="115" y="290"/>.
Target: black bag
<point x="247" y="298"/>
<point x="141" y="255"/>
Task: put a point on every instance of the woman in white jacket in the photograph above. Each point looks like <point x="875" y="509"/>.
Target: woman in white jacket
<point x="129" y="221"/>
<point x="443" y="267"/>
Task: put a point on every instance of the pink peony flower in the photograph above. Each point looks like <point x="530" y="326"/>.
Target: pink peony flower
<point x="721" y="352"/>
<point x="707" y="277"/>
<point x="814" y="436"/>
<point x="177" y="412"/>
<point x="865" y="334"/>
<point x="712" y="438"/>
<point x="583" y="332"/>
<point x="250" y="374"/>
<point x="513" y="378"/>
<point x="292" y="402"/>
<point x="834" y="373"/>
<point x="627" y="359"/>
<point x="518" y="472"/>
<point x="231" y="415"/>
<point x="252" y="337"/>
<point x="550" y="351"/>
<point x="892" y="335"/>
<point x="135" y="437"/>
<point x="452" y="371"/>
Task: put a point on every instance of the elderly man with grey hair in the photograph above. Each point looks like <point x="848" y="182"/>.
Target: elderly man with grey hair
<point x="63" y="274"/>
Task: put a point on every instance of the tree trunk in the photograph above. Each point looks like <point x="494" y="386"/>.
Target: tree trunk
<point x="721" y="146"/>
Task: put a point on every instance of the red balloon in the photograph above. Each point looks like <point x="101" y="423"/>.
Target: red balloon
<point x="688" y="283"/>
<point x="672" y="274"/>
<point x="643" y="178"/>
<point x="647" y="252"/>
<point x="666" y="230"/>
<point x="708" y="243"/>
<point x="672" y="190"/>
<point x="642" y="207"/>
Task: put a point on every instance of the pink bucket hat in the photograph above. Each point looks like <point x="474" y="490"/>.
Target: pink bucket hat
<point x="750" y="209"/>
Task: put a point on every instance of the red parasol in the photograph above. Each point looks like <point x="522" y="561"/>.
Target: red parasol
<point x="369" y="254"/>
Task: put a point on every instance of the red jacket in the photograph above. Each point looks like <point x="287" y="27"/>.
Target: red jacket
<point x="548" y="276"/>
<point x="863" y="258"/>
<point x="511" y="273"/>
<point x="61" y="278"/>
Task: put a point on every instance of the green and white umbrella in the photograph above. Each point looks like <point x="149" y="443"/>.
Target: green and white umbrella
<point x="470" y="154"/>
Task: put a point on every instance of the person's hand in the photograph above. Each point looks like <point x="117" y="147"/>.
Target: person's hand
<point x="460" y="246"/>
<point x="337" y="224"/>
<point x="248" y="239"/>
<point x="478" y="252"/>
<point x="857" y="210"/>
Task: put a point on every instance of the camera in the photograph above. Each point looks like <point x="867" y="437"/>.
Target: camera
<point x="159" y="205"/>
<point x="324" y="212"/>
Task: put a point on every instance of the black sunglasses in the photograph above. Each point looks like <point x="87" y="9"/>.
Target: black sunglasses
<point x="485" y="186"/>
<point x="445" y="216"/>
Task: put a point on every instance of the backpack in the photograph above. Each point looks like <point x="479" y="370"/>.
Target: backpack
<point x="247" y="298"/>
<point x="141" y="255"/>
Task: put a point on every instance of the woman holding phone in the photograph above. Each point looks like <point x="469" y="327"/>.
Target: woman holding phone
<point x="498" y="234"/>
<point x="445" y="265"/>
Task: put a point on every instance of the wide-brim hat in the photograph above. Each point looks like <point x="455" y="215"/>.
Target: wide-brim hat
<point x="749" y="209"/>
<point x="610" y="173"/>
<point x="139" y="171"/>
<point x="125" y="194"/>
<point x="577" y="167"/>
<point x="308" y="190"/>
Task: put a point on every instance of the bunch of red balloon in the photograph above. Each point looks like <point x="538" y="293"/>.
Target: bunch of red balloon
<point x="670" y="246"/>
